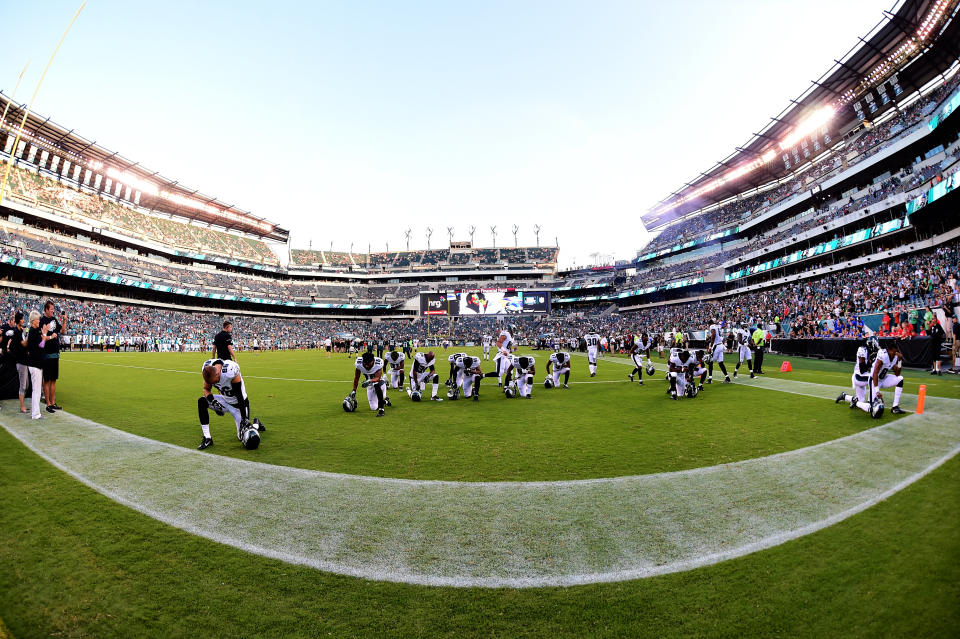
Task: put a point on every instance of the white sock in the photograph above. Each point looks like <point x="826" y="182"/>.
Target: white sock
<point x="897" y="391"/>
<point x="206" y="430"/>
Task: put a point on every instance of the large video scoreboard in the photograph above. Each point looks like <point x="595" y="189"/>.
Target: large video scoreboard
<point x="487" y="301"/>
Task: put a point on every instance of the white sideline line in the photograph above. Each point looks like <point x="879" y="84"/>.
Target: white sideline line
<point x="501" y="534"/>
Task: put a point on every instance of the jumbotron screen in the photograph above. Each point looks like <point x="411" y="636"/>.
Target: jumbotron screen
<point x="506" y="301"/>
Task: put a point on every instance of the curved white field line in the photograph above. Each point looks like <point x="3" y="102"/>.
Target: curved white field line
<point x="502" y="534"/>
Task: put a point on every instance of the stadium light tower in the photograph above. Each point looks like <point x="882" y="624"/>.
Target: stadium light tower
<point x="450" y="234"/>
<point x="472" y="229"/>
<point x="536" y="230"/>
<point x="429" y="233"/>
<point x="406" y="234"/>
<point x="515" y="229"/>
<point x="493" y="235"/>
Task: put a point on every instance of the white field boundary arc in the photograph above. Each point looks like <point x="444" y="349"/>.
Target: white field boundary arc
<point x="502" y="534"/>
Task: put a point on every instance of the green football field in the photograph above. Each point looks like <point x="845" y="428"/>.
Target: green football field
<point x="77" y="562"/>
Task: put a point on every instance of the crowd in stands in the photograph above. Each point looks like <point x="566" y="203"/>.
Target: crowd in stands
<point x="37" y="189"/>
<point x="432" y="257"/>
<point x="908" y="292"/>
<point x="869" y="143"/>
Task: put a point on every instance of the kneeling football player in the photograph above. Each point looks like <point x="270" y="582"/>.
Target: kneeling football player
<point x="861" y="383"/>
<point x="371" y="367"/>
<point x="396" y="360"/>
<point x="231" y="397"/>
<point x="526" y="367"/>
<point x="422" y="371"/>
<point x="468" y="377"/>
<point x="559" y="364"/>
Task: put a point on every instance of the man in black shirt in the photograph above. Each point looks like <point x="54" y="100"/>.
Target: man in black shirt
<point x="50" y="329"/>
<point x="223" y="343"/>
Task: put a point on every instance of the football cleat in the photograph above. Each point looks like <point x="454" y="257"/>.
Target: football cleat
<point x="476" y="397"/>
<point x="436" y="399"/>
<point x="640" y="383"/>
<point x="386" y="401"/>
<point x="380" y="412"/>
<point x="593" y="374"/>
<point x="700" y="386"/>
<point x="896" y="410"/>
<point x="673" y="395"/>
<point x="734" y="374"/>
<point x="630" y="376"/>
<point x="206" y="442"/>
<point x="840" y="398"/>
<point x="726" y="380"/>
<point x="528" y="396"/>
<point x="709" y="381"/>
<point x="752" y="375"/>
<point x="566" y="386"/>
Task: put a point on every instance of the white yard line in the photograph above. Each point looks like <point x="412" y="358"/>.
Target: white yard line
<point x="501" y="534"/>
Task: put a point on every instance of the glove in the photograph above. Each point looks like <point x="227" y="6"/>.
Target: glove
<point x="215" y="405"/>
<point x="353" y="394"/>
<point x="365" y="383"/>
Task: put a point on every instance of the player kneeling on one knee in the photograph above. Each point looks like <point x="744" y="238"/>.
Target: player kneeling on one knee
<point x="559" y="364"/>
<point x="468" y="376"/>
<point x="371" y="367"/>
<point x="525" y="367"/>
<point x="867" y="381"/>
<point x="224" y="375"/>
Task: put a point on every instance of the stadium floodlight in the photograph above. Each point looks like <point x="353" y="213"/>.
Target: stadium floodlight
<point x="536" y="231"/>
<point x="515" y="229"/>
<point x="471" y="229"/>
<point x="450" y="233"/>
<point x="493" y="235"/>
<point x="406" y="234"/>
<point x="808" y="125"/>
<point x="429" y="233"/>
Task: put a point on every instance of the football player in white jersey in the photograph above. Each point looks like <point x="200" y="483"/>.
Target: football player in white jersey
<point x="861" y="383"/>
<point x="886" y="374"/>
<point x="525" y="367"/>
<point x="715" y="343"/>
<point x="231" y="397"/>
<point x="559" y="364"/>
<point x="468" y="378"/>
<point x="371" y="367"/>
<point x="593" y="346"/>
<point x="505" y="347"/>
<point x="454" y="360"/>
<point x="641" y="346"/>
<point x="422" y="371"/>
<point x="742" y="344"/>
<point x="396" y="360"/>
<point x="486" y="341"/>
<point x="684" y="368"/>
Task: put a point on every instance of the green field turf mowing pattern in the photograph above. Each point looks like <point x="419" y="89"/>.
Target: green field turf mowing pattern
<point x="77" y="564"/>
<point x="600" y="427"/>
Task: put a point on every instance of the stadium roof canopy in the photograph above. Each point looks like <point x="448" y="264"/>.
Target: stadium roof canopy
<point x="913" y="44"/>
<point x="157" y="193"/>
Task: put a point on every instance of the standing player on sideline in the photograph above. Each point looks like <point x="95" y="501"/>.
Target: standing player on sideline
<point x="560" y="363"/>
<point x="526" y="367"/>
<point x="224" y="375"/>
<point x="742" y="344"/>
<point x="505" y="346"/>
<point x="424" y="369"/>
<point x="223" y="343"/>
<point x="593" y="345"/>
<point x="371" y="367"/>
<point x="396" y="360"/>
<point x="486" y="341"/>
<point x="861" y="382"/>
<point x="886" y="374"/>
<point x="51" y="329"/>
<point x="641" y="345"/>
<point x="715" y="343"/>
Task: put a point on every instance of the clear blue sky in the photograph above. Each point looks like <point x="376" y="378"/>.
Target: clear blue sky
<point x="577" y="116"/>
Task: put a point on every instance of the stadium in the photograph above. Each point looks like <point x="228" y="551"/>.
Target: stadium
<point x="684" y="466"/>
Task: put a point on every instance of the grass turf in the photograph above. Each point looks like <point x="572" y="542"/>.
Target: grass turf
<point x="75" y="564"/>
<point x="604" y="429"/>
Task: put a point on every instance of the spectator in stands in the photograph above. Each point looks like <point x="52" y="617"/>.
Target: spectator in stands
<point x="955" y="330"/>
<point x="51" y="328"/>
